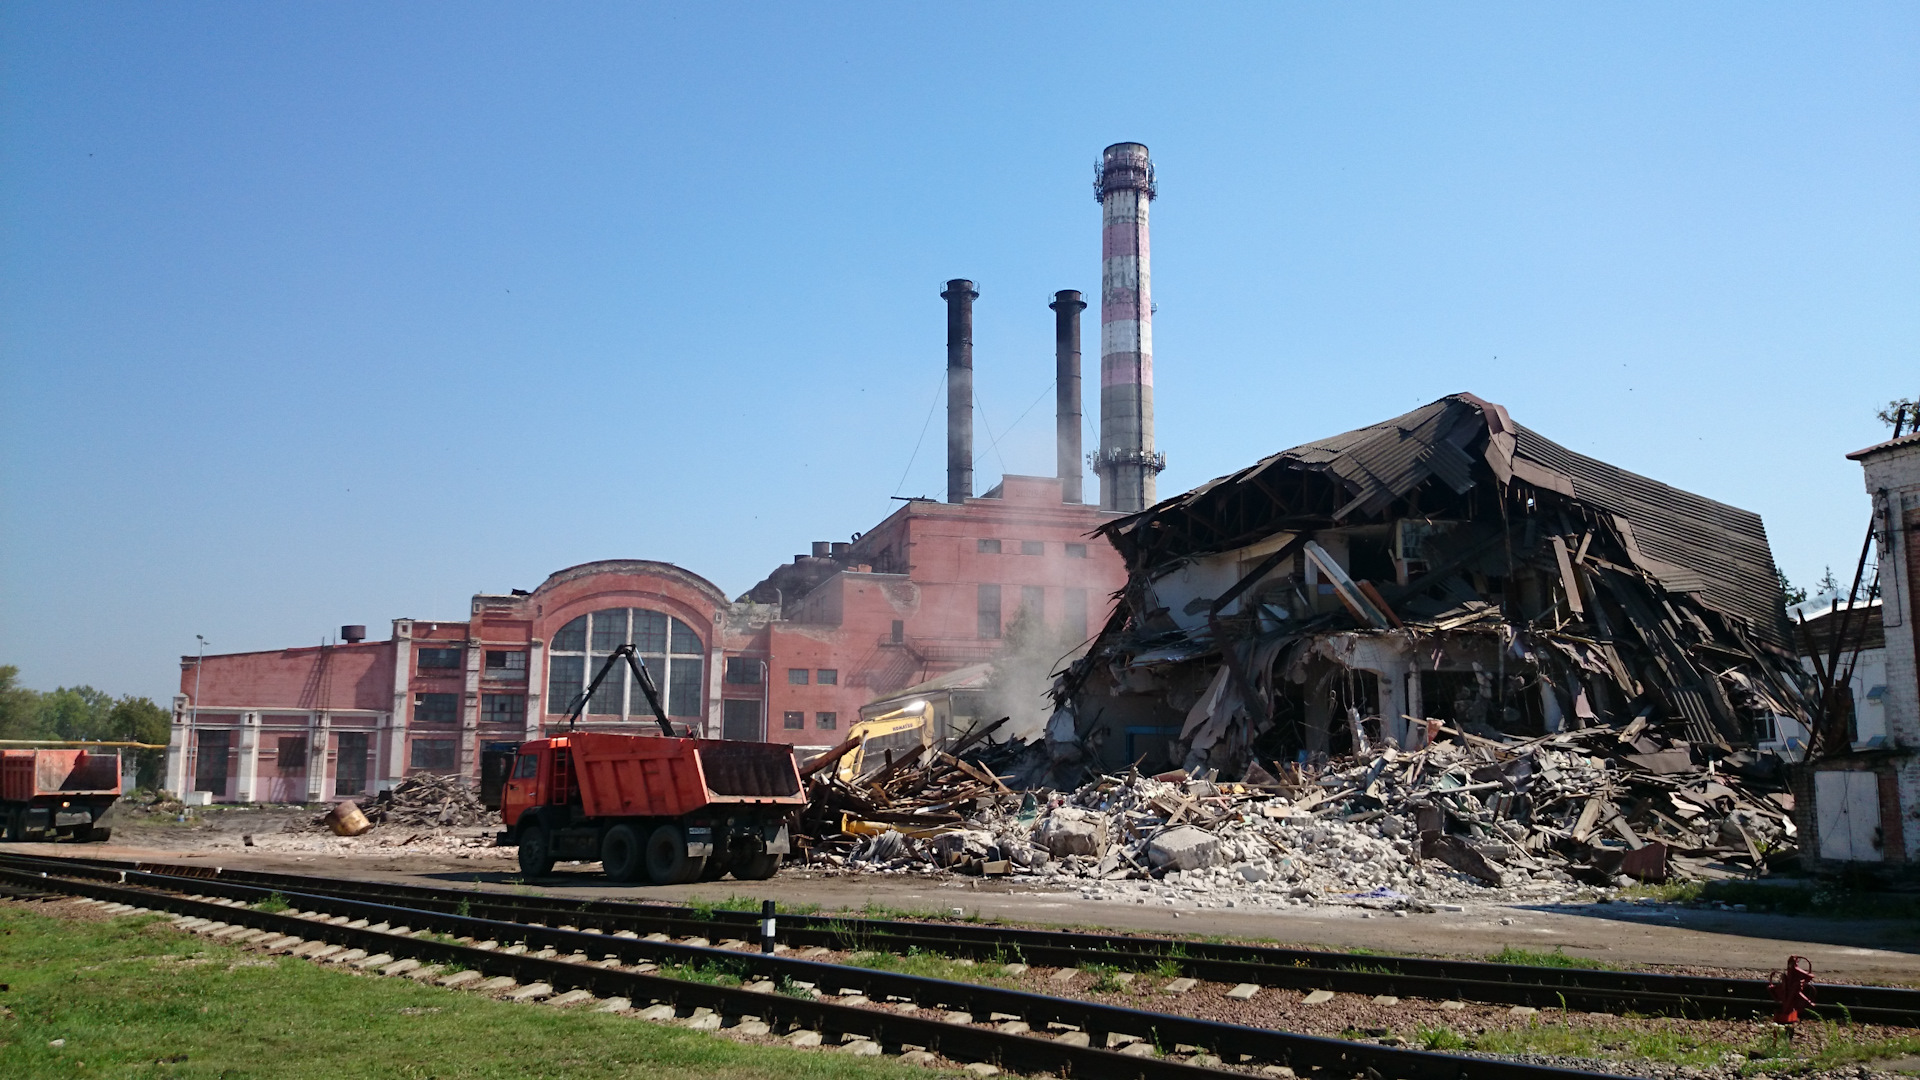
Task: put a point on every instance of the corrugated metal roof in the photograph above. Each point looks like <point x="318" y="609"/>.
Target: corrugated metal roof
<point x="1689" y="542"/>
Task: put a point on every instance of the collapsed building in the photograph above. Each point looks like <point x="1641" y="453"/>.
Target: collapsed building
<point x="1445" y="569"/>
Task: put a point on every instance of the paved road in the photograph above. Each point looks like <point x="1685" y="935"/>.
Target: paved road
<point x="1624" y="934"/>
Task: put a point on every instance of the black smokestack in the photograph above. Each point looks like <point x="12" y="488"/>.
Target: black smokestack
<point x="1067" y="307"/>
<point x="959" y="295"/>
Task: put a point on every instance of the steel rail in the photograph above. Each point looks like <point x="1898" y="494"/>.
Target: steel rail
<point x="1513" y="984"/>
<point x="1019" y="1052"/>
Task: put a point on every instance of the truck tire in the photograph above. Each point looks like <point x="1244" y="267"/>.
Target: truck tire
<point x="622" y="856"/>
<point x="758" y="867"/>
<point x="98" y="835"/>
<point x="667" y="860"/>
<point x="536" y="851"/>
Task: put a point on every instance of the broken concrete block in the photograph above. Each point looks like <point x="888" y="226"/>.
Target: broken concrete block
<point x="656" y="1012"/>
<point x="804" y="1038"/>
<point x="1140" y="1049"/>
<point x="1072" y="831"/>
<point x="980" y="1068"/>
<point x="918" y="1057"/>
<point x="1014" y="1027"/>
<point x="1015" y="969"/>
<point x="1184" y="848"/>
<point x="862" y="1048"/>
<point x="709" y="1022"/>
<point x="957" y="1018"/>
<point x="462" y="978"/>
<point x="1453" y="1006"/>
<point x="1386" y="999"/>
<point x="1522" y="1011"/>
<point x="1063" y="976"/>
<point x="531" y="992"/>
<point x="748" y="1028"/>
<point x="614" y="1005"/>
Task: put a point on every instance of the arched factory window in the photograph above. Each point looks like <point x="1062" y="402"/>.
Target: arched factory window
<point x="671" y="649"/>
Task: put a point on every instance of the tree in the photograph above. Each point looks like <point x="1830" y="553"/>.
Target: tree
<point x="19" y="706"/>
<point x="79" y="713"/>
<point x="1899" y="410"/>
<point x="1794" y="594"/>
<point x="138" y="719"/>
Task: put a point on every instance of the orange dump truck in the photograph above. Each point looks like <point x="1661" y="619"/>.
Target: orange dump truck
<point x="667" y="809"/>
<point x="49" y="794"/>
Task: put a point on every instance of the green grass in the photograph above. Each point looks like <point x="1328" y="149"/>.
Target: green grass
<point x="274" y="903"/>
<point x="1106" y="979"/>
<point x="1534" y="958"/>
<point x="135" y="999"/>
<point x="930" y="966"/>
<point x="705" y="909"/>
<point x="1837" y="1045"/>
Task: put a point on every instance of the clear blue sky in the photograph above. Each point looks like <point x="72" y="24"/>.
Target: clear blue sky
<point x="328" y="313"/>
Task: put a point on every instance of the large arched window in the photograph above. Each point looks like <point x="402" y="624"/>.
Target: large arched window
<point x="670" y="648"/>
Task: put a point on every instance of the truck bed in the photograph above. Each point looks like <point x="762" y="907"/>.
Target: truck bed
<point x="636" y="776"/>
<point x="29" y="774"/>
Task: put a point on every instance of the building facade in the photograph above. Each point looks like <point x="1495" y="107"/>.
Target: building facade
<point x="933" y="588"/>
<point x="1860" y="800"/>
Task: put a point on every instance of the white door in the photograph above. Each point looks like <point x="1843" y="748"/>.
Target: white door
<point x="1848" y="805"/>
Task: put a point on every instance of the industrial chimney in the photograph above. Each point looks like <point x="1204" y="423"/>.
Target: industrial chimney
<point x="1067" y="307"/>
<point x="1123" y="182"/>
<point x="959" y="295"/>
<point x="353" y="634"/>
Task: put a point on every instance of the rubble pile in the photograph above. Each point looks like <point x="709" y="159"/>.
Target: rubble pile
<point x="1465" y="817"/>
<point x="422" y="801"/>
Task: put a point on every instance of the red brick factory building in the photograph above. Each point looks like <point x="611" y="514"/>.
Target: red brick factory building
<point x="931" y="590"/>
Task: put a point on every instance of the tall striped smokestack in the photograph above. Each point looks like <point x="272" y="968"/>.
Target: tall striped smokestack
<point x="959" y="295"/>
<point x="1067" y="307"/>
<point x="1127" y="462"/>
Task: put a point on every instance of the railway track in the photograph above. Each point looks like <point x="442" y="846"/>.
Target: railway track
<point x="1299" y="969"/>
<point x="972" y="1023"/>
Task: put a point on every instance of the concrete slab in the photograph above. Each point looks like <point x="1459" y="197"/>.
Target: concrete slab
<point x="804" y="1038"/>
<point x="1245" y="992"/>
<point x="461" y="979"/>
<point x="863" y="1048"/>
<point x="1317" y="997"/>
<point x="496" y="985"/>
<point x="1179" y="986"/>
<point x="529" y="992"/>
<point x="657" y="1012"/>
<point x="570" y="998"/>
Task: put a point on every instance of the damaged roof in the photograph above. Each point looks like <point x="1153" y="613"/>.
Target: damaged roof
<point x="1688" y="543"/>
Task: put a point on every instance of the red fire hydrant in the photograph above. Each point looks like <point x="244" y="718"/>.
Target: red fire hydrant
<point x="1793" y="989"/>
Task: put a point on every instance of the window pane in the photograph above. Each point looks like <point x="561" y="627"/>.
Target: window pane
<point x="826" y="721"/>
<point x="685" y="641"/>
<point x="439" y="659"/>
<point x="609" y="630"/>
<point x="637" y="706"/>
<point x="1033" y="547"/>
<point x="1075" y="619"/>
<point x="649" y="631"/>
<point x="606" y="700"/>
<point x="740" y="720"/>
<point x="566" y="677"/>
<point x="436" y="708"/>
<point x="1076" y="551"/>
<point x="987" y="547"/>
<point x="793" y="721"/>
<point x="571" y="637"/>
<point x="828" y="677"/>
<point x="500" y="660"/>
<point x="796" y="676"/>
<point x="527" y="767"/>
<point x="292" y="758"/>
<point x="989" y="611"/>
<point x="503" y="708"/>
<point x="743" y="671"/>
<point x="684" y="689"/>
<point x="433" y="755"/>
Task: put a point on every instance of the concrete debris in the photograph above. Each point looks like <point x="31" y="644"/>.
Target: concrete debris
<point x="1465" y="817"/>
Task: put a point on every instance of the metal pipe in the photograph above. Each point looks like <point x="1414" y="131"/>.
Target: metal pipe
<point x="1067" y="307"/>
<point x="959" y="295"/>
<point x="1127" y="462"/>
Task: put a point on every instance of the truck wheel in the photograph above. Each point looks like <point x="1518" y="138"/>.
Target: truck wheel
<point x="621" y="854"/>
<point x="667" y="860"/>
<point x="98" y="835"/>
<point x="756" y="867"/>
<point x="536" y="851"/>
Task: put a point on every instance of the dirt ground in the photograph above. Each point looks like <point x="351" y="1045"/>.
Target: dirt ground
<point x="1617" y="934"/>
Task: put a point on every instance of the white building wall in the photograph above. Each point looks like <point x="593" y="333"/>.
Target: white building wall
<point x="1892" y="476"/>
